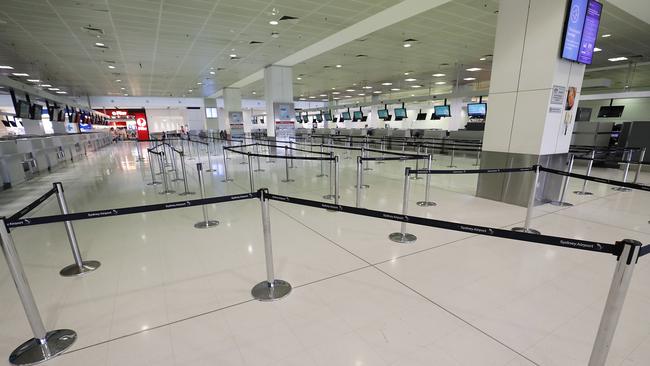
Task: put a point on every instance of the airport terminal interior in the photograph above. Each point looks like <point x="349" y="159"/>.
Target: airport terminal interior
<point x="336" y="182"/>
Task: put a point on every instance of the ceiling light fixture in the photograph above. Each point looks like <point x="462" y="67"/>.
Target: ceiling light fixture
<point x="61" y="92"/>
<point x="232" y="55"/>
<point x="336" y="93"/>
<point x="386" y="84"/>
<point x="53" y="89"/>
<point x="407" y="45"/>
<point x="254" y="93"/>
<point x="410" y="79"/>
<point x="338" y="66"/>
<point x="606" y="35"/>
<point x="323" y="95"/>
<point x="350" y="90"/>
<point x="189" y="91"/>
<point x="19" y="74"/>
<point x="99" y="44"/>
<point x="440" y="82"/>
<point x="377" y="92"/>
<point x="367" y="87"/>
<point x="474" y="69"/>
<point x="298" y="78"/>
<point x="395" y="89"/>
<point x="614" y="59"/>
<point x="469" y="79"/>
<point x="212" y="72"/>
<point x="347" y="96"/>
<point x="596" y="49"/>
<point x="33" y="80"/>
<point x="6" y="67"/>
<point x="45" y="85"/>
<point x="361" y="94"/>
<point x="438" y="75"/>
<point x="111" y="66"/>
<point x="118" y="81"/>
<point x="482" y="59"/>
<point x="416" y="86"/>
<point x="274" y="22"/>
<point x="126" y="95"/>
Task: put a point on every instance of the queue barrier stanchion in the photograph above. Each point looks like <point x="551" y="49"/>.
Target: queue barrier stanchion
<point x="257" y="152"/>
<point x="210" y="168"/>
<point x="478" y="158"/>
<point x="565" y="185"/>
<point x="402" y="236"/>
<point x="382" y="147"/>
<point x="531" y="205"/>
<point x="321" y="166"/>
<point x="453" y="154"/>
<point x="137" y="144"/>
<point x="243" y="158"/>
<point x="166" y="189"/>
<point x="153" y="182"/>
<point x="583" y="191"/>
<point x="417" y="164"/>
<point x="272" y="288"/>
<point x="626" y="170"/>
<point x="332" y="178"/>
<point x="45" y="345"/>
<point x="639" y="165"/>
<point x="291" y="154"/>
<point x="286" y="167"/>
<point x="80" y="266"/>
<point x="184" y="174"/>
<point x="206" y="223"/>
<point x="358" y="185"/>
<point x="251" y="178"/>
<point x="337" y="191"/>
<point x="427" y="202"/>
<point x="225" y="179"/>
<point x="365" y="153"/>
<point x="626" y="262"/>
<point x="177" y="178"/>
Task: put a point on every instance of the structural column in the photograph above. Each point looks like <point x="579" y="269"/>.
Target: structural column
<point x="278" y="91"/>
<point x="231" y="118"/>
<point x="527" y="122"/>
<point x="211" y="122"/>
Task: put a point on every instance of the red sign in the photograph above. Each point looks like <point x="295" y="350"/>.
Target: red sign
<point x="142" y="126"/>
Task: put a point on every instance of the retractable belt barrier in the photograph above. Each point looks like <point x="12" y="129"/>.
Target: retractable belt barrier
<point x="401" y="154"/>
<point x="599" y="180"/>
<point x="126" y="210"/>
<point x="473" y="171"/>
<point x="33" y="205"/>
<point x="613" y="161"/>
<point x="289" y="157"/>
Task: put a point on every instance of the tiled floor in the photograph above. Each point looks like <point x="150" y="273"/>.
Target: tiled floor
<point x="169" y="294"/>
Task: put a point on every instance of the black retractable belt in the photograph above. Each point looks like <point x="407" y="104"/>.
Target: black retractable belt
<point x="467" y="228"/>
<point x="645" y="250"/>
<point x="32" y="205"/>
<point x="474" y="171"/>
<point x="599" y="180"/>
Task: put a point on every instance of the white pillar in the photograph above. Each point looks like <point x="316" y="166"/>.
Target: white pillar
<point x="526" y="121"/>
<point x="231" y="103"/>
<point x="211" y="123"/>
<point x="278" y="88"/>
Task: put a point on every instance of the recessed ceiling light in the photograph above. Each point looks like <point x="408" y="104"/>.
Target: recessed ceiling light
<point x="189" y="91"/>
<point x="395" y="89"/>
<point x="407" y="73"/>
<point x="199" y="83"/>
<point x="53" y="89"/>
<point x="614" y="59"/>
<point x="99" y="44"/>
<point x="45" y="85"/>
<point x="33" y="80"/>
<point x="61" y="92"/>
<point x="126" y="95"/>
<point x="606" y="35"/>
<point x="367" y="87"/>
<point x="387" y="84"/>
<point x="111" y="66"/>
<point x="312" y="97"/>
<point x="350" y="90"/>
<point x="274" y="22"/>
<point x="416" y="86"/>
<point x="6" y="67"/>
<point x="377" y="92"/>
<point x="339" y="66"/>
<point x="232" y="55"/>
<point x="336" y="93"/>
<point x="347" y="96"/>
<point x="336" y="98"/>
<point x="407" y="45"/>
<point x="410" y="79"/>
<point x="469" y="79"/>
<point x="474" y="69"/>
<point x="440" y="82"/>
<point x="323" y="95"/>
<point x="596" y="49"/>
<point x="118" y="81"/>
<point x="298" y="78"/>
<point x="361" y="94"/>
<point x="122" y="88"/>
<point x="254" y="93"/>
<point x="302" y="99"/>
<point x="438" y="75"/>
<point x="212" y="72"/>
<point x="19" y="74"/>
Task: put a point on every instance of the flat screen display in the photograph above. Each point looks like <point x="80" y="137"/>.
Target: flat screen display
<point x="442" y="111"/>
<point x="38" y="112"/>
<point x="613" y="111"/>
<point x="477" y="109"/>
<point x="23" y="109"/>
<point x="581" y="30"/>
<point x="400" y="113"/>
<point x="357" y="116"/>
<point x="298" y="118"/>
<point x="345" y="116"/>
<point x="319" y="118"/>
<point x="305" y="118"/>
<point x="328" y="116"/>
<point x="382" y="113"/>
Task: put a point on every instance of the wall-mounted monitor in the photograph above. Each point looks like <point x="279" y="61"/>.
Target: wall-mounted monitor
<point x="22" y="110"/>
<point x="305" y="118"/>
<point x="357" y="116"/>
<point x="319" y="118"/>
<point x="345" y="116"/>
<point x="581" y="30"/>
<point x="335" y="119"/>
<point x="328" y="117"/>
<point x="612" y="111"/>
<point x="37" y="112"/>
<point x="477" y="110"/>
<point x="400" y="114"/>
<point x="364" y="118"/>
<point x="421" y="117"/>
<point x="382" y="113"/>
<point x="442" y="111"/>
<point x="298" y="118"/>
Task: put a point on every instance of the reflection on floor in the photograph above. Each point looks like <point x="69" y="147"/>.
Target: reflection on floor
<point x="169" y="294"/>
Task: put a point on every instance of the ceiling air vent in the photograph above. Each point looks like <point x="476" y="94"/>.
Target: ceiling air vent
<point x="92" y="29"/>
<point x="255" y="42"/>
<point x="361" y="56"/>
<point x="288" y="17"/>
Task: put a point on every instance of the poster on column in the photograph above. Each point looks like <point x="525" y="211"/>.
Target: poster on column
<point x="285" y="128"/>
<point x="141" y="124"/>
<point x="236" y="120"/>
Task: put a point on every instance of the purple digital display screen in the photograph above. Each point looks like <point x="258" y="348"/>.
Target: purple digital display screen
<point x="590" y="32"/>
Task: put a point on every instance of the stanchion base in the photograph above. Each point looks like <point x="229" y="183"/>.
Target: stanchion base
<point x="139" y="159"/>
<point x="287" y="180"/>
<point x="186" y="194"/>
<point x="416" y="178"/>
<point x="366" y="169"/>
<point x="561" y="204"/>
<point x="211" y="170"/>
<point x="321" y="175"/>
<point x="581" y="193"/>
<point x="405" y="238"/>
<point x="177" y="180"/>
<point x="380" y="162"/>
<point x="621" y="189"/>
<point x="363" y="186"/>
<point x="259" y="170"/>
<point x="426" y="204"/>
<point x="524" y="230"/>
<point x="330" y="196"/>
<point x="206" y="224"/>
<point x="452" y="166"/>
<point x="227" y="180"/>
<point x="154" y="183"/>
<point x="263" y="291"/>
<point x="33" y="352"/>
<point x="243" y="163"/>
<point x="74" y="270"/>
<point x="167" y="192"/>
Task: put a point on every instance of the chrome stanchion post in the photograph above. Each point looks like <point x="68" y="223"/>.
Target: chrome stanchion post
<point x="272" y="288"/>
<point x="366" y="154"/>
<point x="45" y="345"/>
<point x="251" y="178"/>
<point x="225" y="166"/>
<point x="137" y="143"/>
<point x="358" y="186"/>
<point x="453" y="154"/>
<point x="478" y="158"/>
<point x="257" y="152"/>
<point x="402" y="236"/>
<point x="177" y="178"/>
<point x="626" y="262"/>
<point x="628" y="160"/>
<point x="416" y="176"/>
<point x="243" y="159"/>
<point x="337" y="194"/>
<point x="210" y="169"/>
<point x="206" y="223"/>
<point x="80" y="266"/>
<point x="291" y="153"/>
<point x="153" y="174"/>
<point x="184" y="174"/>
<point x="166" y="189"/>
<point x="561" y="202"/>
<point x="331" y="179"/>
<point x="321" y="165"/>
<point x="583" y="191"/>
<point x="382" y="147"/>
<point x="531" y="205"/>
<point x="639" y="165"/>
<point x="286" y="167"/>
<point x="360" y="171"/>
<point x="426" y="202"/>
